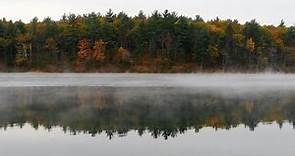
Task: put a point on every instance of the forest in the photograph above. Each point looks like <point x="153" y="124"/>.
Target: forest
<point x="160" y="42"/>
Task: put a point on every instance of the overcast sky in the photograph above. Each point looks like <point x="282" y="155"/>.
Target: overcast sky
<point x="265" y="11"/>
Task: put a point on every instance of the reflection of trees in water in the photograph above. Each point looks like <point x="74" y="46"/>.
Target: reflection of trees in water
<point x="162" y="112"/>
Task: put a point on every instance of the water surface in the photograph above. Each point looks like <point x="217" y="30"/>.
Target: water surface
<point x="143" y="114"/>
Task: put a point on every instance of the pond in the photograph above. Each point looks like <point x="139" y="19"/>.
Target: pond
<point x="147" y="114"/>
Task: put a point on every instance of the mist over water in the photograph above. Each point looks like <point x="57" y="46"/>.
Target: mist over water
<point x="161" y="111"/>
<point x="147" y="114"/>
<point x="233" y="81"/>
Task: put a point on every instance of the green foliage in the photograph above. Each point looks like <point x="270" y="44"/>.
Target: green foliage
<point x="218" y="44"/>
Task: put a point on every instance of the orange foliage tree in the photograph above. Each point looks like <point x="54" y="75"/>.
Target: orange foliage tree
<point x="99" y="51"/>
<point x="122" y="55"/>
<point x="84" y="54"/>
<point x="84" y="50"/>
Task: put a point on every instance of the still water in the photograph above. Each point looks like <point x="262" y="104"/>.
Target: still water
<point x="126" y="114"/>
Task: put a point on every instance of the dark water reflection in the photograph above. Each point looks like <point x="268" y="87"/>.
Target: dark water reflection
<point x="159" y="112"/>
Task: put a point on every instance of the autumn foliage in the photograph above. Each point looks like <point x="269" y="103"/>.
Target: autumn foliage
<point x="99" y="51"/>
<point x="161" y="42"/>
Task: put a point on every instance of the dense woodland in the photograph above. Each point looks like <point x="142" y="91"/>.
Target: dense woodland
<point x="161" y="42"/>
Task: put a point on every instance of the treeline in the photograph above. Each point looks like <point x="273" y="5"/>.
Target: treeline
<point x="161" y="42"/>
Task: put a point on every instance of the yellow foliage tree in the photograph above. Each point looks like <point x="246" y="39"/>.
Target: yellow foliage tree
<point x="213" y="53"/>
<point x="250" y="45"/>
<point x="20" y="59"/>
<point x="51" y="45"/>
<point x="23" y="48"/>
<point x="277" y="35"/>
<point x="215" y="29"/>
<point x="239" y="40"/>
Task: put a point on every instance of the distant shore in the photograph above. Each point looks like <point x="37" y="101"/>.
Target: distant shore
<point x="109" y="68"/>
<point x="162" y="42"/>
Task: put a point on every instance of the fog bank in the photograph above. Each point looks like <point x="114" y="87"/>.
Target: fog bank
<point x="235" y="81"/>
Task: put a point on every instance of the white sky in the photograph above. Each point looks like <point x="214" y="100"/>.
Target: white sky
<point x="265" y="11"/>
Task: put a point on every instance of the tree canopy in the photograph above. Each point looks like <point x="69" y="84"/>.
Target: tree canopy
<point x="161" y="42"/>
